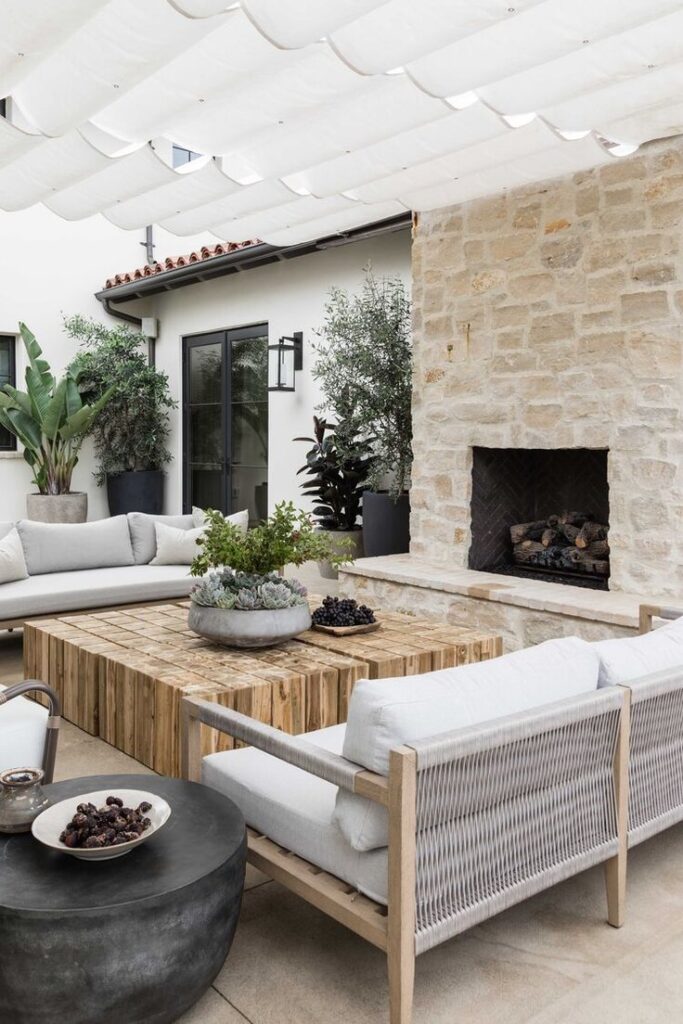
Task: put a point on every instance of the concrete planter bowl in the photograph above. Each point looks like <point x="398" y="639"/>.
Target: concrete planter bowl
<point x="57" y="508"/>
<point x="262" y="628"/>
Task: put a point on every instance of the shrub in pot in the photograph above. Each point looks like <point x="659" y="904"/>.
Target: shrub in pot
<point x="131" y="436"/>
<point x="50" y="419"/>
<point x="241" y="601"/>
<point x="337" y="469"/>
<point x="364" y="368"/>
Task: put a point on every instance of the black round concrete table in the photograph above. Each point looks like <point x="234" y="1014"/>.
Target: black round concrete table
<point x="135" y="940"/>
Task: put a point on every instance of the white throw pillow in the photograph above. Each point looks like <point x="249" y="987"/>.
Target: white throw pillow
<point x="176" y="546"/>
<point x="12" y="561"/>
<point x="386" y="713"/>
<point x="622" y="661"/>
<point x="239" y="519"/>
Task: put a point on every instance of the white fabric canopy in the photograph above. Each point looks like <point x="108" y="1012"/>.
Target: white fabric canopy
<point x="314" y="118"/>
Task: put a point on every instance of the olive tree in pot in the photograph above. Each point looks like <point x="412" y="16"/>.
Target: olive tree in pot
<point x="364" y="368"/>
<point x="50" y="419"/>
<point x="241" y="600"/>
<point x="131" y="436"/>
<point x="337" y="469"/>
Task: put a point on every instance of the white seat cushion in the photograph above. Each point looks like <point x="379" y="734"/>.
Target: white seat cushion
<point x="12" y="561"/>
<point x="22" y="733"/>
<point x="622" y="661"/>
<point x="177" y="546"/>
<point x="67" y="547"/>
<point x="143" y="535"/>
<point x="92" y="588"/>
<point x="295" y="809"/>
<point x="386" y="713"/>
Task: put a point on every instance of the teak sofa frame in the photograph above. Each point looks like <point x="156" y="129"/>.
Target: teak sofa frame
<point x="564" y="810"/>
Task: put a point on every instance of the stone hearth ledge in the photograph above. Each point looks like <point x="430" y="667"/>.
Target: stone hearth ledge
<point x="612" y="607"/>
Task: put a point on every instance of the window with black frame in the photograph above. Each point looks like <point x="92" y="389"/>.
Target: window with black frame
<point x="8" y="442"/>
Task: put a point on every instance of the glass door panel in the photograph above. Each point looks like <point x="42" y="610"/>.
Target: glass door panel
<point x="226" y="421"/>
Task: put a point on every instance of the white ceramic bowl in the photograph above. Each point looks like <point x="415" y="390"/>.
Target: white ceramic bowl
<point x="50" y="824"/>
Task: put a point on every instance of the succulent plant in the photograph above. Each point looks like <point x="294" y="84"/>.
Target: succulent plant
<point x="247" y="591"/>
<point x="274" y="595"/>
<point x="247" y="600"/>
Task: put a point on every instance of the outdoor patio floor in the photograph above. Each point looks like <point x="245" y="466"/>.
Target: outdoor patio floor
<point x="551" y="960"/>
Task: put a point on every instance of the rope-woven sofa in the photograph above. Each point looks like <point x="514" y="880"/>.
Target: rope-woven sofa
<point x="410" y="843"/>
<point x="473" y="820"/>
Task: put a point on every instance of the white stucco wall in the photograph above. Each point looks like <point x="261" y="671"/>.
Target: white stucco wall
<point x="289" y="296"/>
<point x="48" y="267"/>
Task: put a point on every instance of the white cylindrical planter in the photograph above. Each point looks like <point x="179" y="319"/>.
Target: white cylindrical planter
<point x="58" y="508"/>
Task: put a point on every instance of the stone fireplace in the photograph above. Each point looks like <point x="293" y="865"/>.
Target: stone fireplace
<point x="548" y="319"/>
<point x="528" y="508"/>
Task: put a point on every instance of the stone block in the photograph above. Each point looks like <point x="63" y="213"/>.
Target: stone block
<point x="543" y="416"/>
<point x="602" y="254"/>
<point x="509" y="247"/>
<point x="562" y="252"/>
<point x="631" y="169"/>
<point x="527" y="217"/>
<point x="553" y="327"/>
<point x="653" y="273"/>
<point x="485" y="215"/>
<point x="587" y="199"/>
<point x="531" y="286"/>
<point x="641" y="307"/>
<point x="553" y="226"/>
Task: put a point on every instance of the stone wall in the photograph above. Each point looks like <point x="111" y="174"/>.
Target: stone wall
<point x="551" y="317"/>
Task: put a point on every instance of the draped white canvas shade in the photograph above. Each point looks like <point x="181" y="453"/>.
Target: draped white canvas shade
<point x="318" y="117"/>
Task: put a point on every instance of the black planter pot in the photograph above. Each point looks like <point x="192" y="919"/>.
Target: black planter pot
<point x="138" y="491"/>
<point x="386" y="524"/>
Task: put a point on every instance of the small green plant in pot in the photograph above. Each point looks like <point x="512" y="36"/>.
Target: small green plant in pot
<point x="337" y="470"/>
<point x="364" y="368"/>
<point x="240" y="599"/>
<point x="131" y="436"/>
<point x="51" y="420"/>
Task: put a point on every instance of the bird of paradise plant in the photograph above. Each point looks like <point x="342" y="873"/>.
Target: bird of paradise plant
<point x="49" y="419"/>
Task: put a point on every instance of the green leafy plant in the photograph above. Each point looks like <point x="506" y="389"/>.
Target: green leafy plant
<point x="246" y="591"/>
<point x="364" y="368"/>
<point x="50" y="419"/>
<point x="287" y="537"/>
<point x="337" y="470"/>
<point x="132" y="432"/>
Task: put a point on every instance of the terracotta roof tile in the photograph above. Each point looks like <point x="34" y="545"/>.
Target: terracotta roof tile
<point x="207" y="252"/>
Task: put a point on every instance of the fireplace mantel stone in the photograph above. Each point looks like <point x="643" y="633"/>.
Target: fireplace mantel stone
<point x="523" y="611"/>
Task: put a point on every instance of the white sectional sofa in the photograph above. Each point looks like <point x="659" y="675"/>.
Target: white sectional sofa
<point x="450" y="796"/>
<point x="73" y="567"/>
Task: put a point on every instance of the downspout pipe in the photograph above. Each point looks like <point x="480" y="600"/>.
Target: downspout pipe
<point x="130" y="318"/>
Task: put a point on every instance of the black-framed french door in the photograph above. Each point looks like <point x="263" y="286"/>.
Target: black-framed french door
<point x="225" y="420"/>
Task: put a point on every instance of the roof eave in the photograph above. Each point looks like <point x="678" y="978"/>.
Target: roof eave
<point x="243" y="259"/>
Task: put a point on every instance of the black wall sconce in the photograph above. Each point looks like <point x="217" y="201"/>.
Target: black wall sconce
<point x="284" y="359"/>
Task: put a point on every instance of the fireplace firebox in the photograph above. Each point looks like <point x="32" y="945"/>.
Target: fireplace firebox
<point x="541" y="513"/>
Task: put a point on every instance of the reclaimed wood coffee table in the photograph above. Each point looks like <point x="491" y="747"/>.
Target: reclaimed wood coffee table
<point x="121" y="674"/>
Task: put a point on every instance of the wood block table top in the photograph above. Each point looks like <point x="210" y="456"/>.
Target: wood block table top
<point x="121" y="674"/>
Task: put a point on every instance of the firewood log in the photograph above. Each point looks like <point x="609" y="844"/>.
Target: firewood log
<point x="576" y="518"/>
<point x="589" y="533"/>
<point x="569" y="532"/>
<point x="551" y="536"/>
<point x="527" y="531"/>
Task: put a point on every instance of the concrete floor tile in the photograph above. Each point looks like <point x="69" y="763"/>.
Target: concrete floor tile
<point x="212" y="1009"/>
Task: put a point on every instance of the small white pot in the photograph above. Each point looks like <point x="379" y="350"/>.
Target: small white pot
<point x="235" y="628"/>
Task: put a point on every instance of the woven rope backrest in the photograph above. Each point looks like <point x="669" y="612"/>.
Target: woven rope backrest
<point x="525" y="808"/>
<point x="656" y="756"/>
